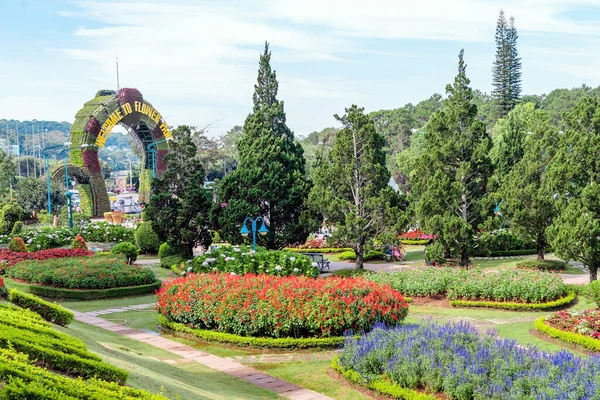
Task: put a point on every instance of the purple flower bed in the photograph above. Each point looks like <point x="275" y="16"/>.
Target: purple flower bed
<point x="456" y="360"/>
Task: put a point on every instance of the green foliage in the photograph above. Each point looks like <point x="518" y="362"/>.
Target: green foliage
<point x="17" y="244"/>
<point x="351" y="272"/>
<point x="146" y="239"/>
<point x="49" y="311"/>
<point x="369" y="255"/>
<point x="449" y="183"/>
<point x="17" y="228"/>
<point x="418" y="242"/>
<point x="489" y="243"/>
<point x="178" y="206"/>
<point x="270" y="179"/>
<point x="129" y="250"/>
<point x="10" y="213"/>
<point x="259" y="342"/>
<point x="506" y="72"/>
<point x="546" y="265"/>
<point x="243" y="260"/>
<point x="90" y="294"/>
<point x="7" y="172"/>
<point x="79" y="219"/>
<point x="505" y="305"/>
<point x="351" y="185"/>
<point x="25" y="332"/>
<point x="592" y="292"/>
<point x="569" y="337"/>
<point x="32" y="194"/>
<point x="169" y="256"/>
<point x="320" y="250"/>
<point x="94" y="272"/>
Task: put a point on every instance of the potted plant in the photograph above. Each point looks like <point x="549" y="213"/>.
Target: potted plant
<point x="117" y="217"/>
<point x="108" y="216"/>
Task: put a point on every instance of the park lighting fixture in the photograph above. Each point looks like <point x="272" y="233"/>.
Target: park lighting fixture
<point x="263" y="229"/>
<point x="244" y="232"/>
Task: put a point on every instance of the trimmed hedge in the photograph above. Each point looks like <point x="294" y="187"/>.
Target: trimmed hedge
<point x="369" y="255"/>
<point x="418" y="242"/>
<point x="568" y="299"/>
<point x="569" y="337"/>
<point x="546" y="265"/>
<point x="146" y="239"/>
<point x="49" y="311"/>
<point x="85" y="294"/>
<point x="274" y="343"/>
<point x="380" y="385"/>
<point x="321" y="250"/>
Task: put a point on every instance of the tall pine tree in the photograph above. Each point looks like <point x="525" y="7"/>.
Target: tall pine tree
<point x="270" y="180"/>
<point x="450" y="179"/>
<point x="506" y="72"/>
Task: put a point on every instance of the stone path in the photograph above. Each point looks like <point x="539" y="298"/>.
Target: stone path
<point x="227" y="366"/>
<point x="283" y="357"/>
<point x="121" y="309"/>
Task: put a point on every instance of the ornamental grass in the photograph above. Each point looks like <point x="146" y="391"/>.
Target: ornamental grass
<point x="272" y="306"/>
<point x="456" y="360"/>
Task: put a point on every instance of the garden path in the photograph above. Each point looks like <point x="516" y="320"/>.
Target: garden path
<point x="227" y="366"/>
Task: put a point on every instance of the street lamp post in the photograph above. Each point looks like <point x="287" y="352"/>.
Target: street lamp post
<point x="47" y="163"/>
<point x="152" y="150"/>
<point x="263" y="229"/>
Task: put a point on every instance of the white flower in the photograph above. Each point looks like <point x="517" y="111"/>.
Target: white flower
<point x="210" y="260"/>
<point x="214" y="268"/>
<point x="252" y="251"/>
<point x="232" y="258"/>
<point x="205" y="264"/>
<point x="183" y="273"/>
<point x="292" y="259"/>
<point x="314" y="264"/>
<point x="233" y="273"/>
<point x="222" y="255"/>
<point x="278" y="268"/>
<point x="29" y="241"/>
<point x="296" y="270"/>
<point x="227" y="258"/>
<point x="189" y="269"/>
<point x="236" y="249"/>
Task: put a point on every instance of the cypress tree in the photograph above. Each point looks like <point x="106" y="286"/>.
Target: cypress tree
<point x="506" y="72"/>
<point x="270" y="180"/>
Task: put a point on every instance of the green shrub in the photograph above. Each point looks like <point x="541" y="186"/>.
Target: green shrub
<point x="94" y="272"/>
<point x="45" y="218"/>
<point x="146" y="239"/>
<point x="592" y="292"/>
<point x="9" y="214"/>
<point x="79" y="243"/>
<point x="17" y="244"/>
<point x="491" y="242"/>
<point x="546" y="265"/>
<point x="320" y="250"/>
<point x="169" y="256"/>
<point x="418" y="242"/>
<point x="49" y="311"/>
<point x="216" y="237"/>
<point x="369" y="255"/>
<point x="17" y="228"/>
<point x="78" y="218"/>
<point x="505" y="305"/>
<point x="129" y="250"/>
<point x="350" y="272"/>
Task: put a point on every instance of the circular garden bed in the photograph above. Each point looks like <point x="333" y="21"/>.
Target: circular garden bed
<point x="82" y="278"/>
<point x="271" y="311"/>
<point x="580" y="328"/>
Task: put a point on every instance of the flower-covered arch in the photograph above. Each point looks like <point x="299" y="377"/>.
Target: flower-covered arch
<point x="92" y="126"/>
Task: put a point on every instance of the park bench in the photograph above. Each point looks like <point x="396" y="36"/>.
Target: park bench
<point x="321" y="261"/>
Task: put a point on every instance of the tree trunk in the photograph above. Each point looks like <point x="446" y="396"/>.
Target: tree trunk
<point x="593" y="272"/>
<point x="464" y="257"/>
<point x="359" y="255"/>
<point x="540" y="253"/>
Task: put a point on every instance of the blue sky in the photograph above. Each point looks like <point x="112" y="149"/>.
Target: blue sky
<point x="196" y="60"/>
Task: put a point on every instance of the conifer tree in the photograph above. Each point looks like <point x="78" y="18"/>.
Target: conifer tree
<point x="270" y="180"/>
<point x="506" y="72"/>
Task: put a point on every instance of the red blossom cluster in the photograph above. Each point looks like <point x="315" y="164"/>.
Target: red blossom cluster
<point x="415" y="235"/>
<point x="272" y="306"/>
<point x="13" y="257"/>
<point x="584" y="322"/>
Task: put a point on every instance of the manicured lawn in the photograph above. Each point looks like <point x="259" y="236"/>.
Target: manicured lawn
<point x="104" y="304"/>
<point x="189" y="381"/>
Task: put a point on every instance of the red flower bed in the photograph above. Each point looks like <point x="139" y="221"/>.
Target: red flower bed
<point x="584" y="322"/>
<point x="271" y="306"/>
<point x="415" y="235"/>
<point x="13" y="257"/>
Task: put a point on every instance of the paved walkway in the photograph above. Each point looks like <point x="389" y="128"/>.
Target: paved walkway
<point x="121" y="309"/>
<point x="227" y="366"/>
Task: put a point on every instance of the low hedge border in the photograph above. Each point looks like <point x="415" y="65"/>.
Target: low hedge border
<point x="277" y="343"/>
<point x="569" y="337"/>
<point x="84" y="294"/>
<point x="508" y="253"/>
<point x="380" y="385"/>
<point x="568" y="299"/>
<point x="415" y="242"/>
<point x="322" y="250"/>
<point x="49" y="311"/>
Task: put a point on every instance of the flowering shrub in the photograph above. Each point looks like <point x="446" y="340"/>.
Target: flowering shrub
<point x="527" y="286"/>
<point x="12" y="257"/>
<point x="456" y="360"/>
<point x="583" y="322"/>
<point x="415" y="235"/>
<point x="98" y="272"/>
<point x="3" y="291"/>
<point x="47" y="237"/>
<point x="78" y="243"/>
<point x="270" y="306"/>
<point x="243" y="260"/>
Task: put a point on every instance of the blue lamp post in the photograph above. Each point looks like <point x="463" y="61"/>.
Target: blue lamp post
<point x="263" y="229"/>
<point x="152" y="150"/>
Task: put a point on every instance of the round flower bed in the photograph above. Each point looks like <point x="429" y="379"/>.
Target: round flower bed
<point x="585" y="323"/>
<point x="243" y="260"/>
<point x="97" y="272"/>
<point x="271" y="306"/>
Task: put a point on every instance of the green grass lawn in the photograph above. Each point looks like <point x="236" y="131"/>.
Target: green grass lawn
<point x="104" y="304"/>
<point x="188" y="380"/>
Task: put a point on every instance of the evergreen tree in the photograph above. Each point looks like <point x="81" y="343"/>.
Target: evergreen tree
<point x="450" y="178"/>
<point x="351" y="184"/>
<point x="270" y="180"/>
<point x="506" y="72"/>
<point x="179" y="206"/>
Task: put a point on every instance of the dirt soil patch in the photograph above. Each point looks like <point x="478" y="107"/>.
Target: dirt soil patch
<point x="436" y="301"/>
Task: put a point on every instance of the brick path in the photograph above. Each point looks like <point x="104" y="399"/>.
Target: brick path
<point x="227" y="366"/>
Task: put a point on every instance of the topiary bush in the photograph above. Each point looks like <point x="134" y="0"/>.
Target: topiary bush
<point x="146" y="239"/>
<point x="17" y="244"/>
<point x="9" y="215"/>
<point x="545" y="265"/>
<point x="79" y="243"/>
<point x="369" y="255"/>
<point x="17" y="228"/>
<point x="129" y="250"/>
<point x="592" y="292"/>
